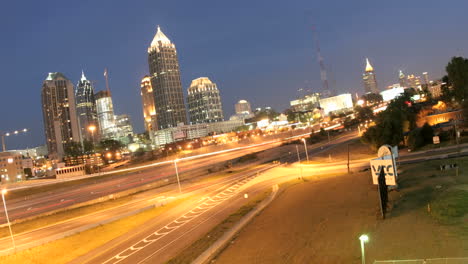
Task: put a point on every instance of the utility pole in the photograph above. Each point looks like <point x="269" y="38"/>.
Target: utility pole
<point x="348" y="158"/>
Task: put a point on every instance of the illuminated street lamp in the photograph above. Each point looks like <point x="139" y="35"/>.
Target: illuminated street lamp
<point x="7" y="134"/>
<point x="363" y="239"/>
<point x="177" y="174"/>
<point x="4" y="191"/>
<point x="91" y="129"/>
<point x="305" y="147"/>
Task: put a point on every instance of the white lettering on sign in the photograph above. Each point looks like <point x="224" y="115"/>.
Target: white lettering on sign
<point x="377" y="165"/>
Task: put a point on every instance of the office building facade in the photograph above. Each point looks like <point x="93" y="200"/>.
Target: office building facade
<point x="370" y="82"/>
<point x="86" y="110"/>
<point x="105" y="114"/>
<point x="59" y="112"/>
<point x="165" y="80"/>
<point x="204" y="102"/>
<point x="149" y="108"/>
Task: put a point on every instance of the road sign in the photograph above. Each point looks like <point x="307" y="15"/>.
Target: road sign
<point x="377" y="165"/>
<point x="436" y="139"/>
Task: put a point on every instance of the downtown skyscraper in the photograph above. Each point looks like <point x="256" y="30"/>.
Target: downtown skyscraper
<point x="149" y="109"/>
<point x="59" y="112"/>
<point x="370" y="82"/>
<point x="204" y="102"/>
<point x="86" y="110"/>
<point x="165" y="80"/>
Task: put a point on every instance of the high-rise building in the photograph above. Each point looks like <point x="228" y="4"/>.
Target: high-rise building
<point x="414" y="81"/>
<point x="204" y="102"/>
<point x="370" y="82"/>
<point x="426" y="79"/>
<point x="243" y="108"/>
<point x="60" y="119"/>
<point x="124" y="129"/>
<point x="402" y="79"/>
<point x="105" y="114"/>
<point x="149" y="109"/>
<point x="165" y="80"/>
<point x="86" y="110"/>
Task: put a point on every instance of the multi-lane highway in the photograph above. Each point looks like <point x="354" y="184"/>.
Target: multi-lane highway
<point x="152" y="197"/>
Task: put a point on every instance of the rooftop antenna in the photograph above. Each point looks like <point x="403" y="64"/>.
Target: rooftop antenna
<point x="107" y="80"/>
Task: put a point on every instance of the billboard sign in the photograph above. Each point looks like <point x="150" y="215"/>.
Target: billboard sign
<point x="387" y="165"/>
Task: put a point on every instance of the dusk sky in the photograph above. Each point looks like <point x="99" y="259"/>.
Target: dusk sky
<point x="261" y="51"/>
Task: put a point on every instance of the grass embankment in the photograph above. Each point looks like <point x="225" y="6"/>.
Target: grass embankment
<point x="357" y="150"/>
<point x="69" y="248"/>
<point x="63" y="216"/>
<point x="450" y="207"/>
<point x="190" y="253"/>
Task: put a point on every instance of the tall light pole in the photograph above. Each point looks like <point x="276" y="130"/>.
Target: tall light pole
<point x="4" y="191"/>
<point x="364" y="239"/>
<point x="299" y="160"/>
<point x="91" y="129"/>
<point x="305" y="147"/>
<point x="177" y="174"/>
<point x="7" y="134"/>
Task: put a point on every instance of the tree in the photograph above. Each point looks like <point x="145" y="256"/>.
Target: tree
<point x="399" y="117"/>
<point x="427" y="132"/>
<point x="73" y="149"/>
<point x="363" y="113"/>
<point x="457" y="72"/>
<point x="109" y="145"/>
<point x="88" y="147"/>
<point x="372" y="98"/>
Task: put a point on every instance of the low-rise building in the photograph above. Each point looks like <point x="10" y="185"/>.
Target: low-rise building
<point x="184" y="132"/>
<point x="306" y="103"/>
<point x="11" y="167"/>
<point x="336" y="104"/>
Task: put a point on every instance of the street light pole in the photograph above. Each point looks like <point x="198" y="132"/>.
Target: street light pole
<point x="305" y="147"/>
<point x="16" y="132"/>
<point x="177" y="174"/>
<point x="4" y="191"/>
<point x="363" y="239"/>
<point x="3" y="143"/>
<point x="299" y="160"/>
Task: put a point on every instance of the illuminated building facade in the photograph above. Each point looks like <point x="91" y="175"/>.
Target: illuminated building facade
<point x="204" y="102"/>
<point x="165" y="80"/>
<point x="11" y="167"/>
<point x="105" y="114"/>
<point x="149" y="109"/>
<point x="86" y="110"/>
<point x="243" y="108"/>
<point x="370" y="82"/>
<point x="306" y="103"/>
<point x="59" y="112"/>
<point x="123" y="128"/>
<point x="335" y="104"/>
<point x="414" y="81"/>
<point x="402" y="79"/>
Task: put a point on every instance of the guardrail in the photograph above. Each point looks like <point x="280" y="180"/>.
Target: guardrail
<point x="425" y="261"/>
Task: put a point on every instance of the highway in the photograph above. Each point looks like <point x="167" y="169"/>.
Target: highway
<point x="145" y="199"/>
<point x="64" y="197"/>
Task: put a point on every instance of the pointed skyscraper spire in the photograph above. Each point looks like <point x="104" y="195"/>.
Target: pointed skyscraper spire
<point x="160" y="37"/>
<point x="369" y="67"/>
<point x="83" y="77"/>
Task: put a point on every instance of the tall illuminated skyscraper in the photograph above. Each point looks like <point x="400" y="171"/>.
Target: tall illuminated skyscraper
<point x="165" y="80"/>
<point x="402" y="79"/>
<point x="204" y="102"/>
<point x="105" y="114"/>
<point x="59" y="112"/>
<point x="370" y="82"/>
<point x="149" y="109"/>
<point x="86" y="110"/>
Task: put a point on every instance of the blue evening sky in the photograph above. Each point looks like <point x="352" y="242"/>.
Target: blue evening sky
<point x="262" y="51"/>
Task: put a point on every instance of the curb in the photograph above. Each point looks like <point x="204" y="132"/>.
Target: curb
<point x="222" y="242"/>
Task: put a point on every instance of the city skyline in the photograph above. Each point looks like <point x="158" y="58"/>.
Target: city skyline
<point x="344" y="48"/>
